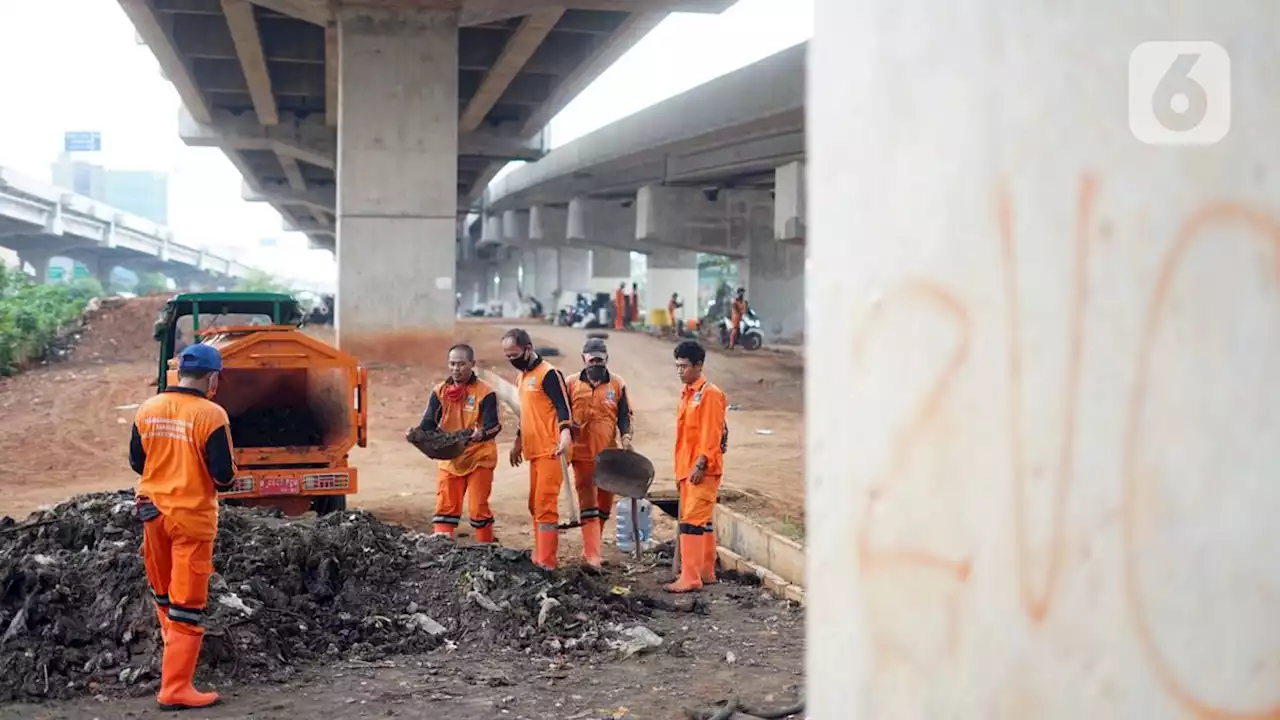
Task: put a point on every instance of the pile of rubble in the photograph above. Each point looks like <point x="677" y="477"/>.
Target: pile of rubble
<point x="76" y="616"/>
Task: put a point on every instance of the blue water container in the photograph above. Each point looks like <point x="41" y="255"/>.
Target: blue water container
<point x="622" y="513"/>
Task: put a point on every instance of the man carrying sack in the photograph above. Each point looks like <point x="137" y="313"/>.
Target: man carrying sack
<point x="602" y="412"/>
<point x="464" y="402"/>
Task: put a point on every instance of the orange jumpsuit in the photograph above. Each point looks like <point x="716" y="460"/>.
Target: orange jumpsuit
<point x="544" y="412"/>
<point x="601" y="413"/>
<point x="635" y="306"/>
<point x="619" y="308"/>
<point x="738" y="310"/>
<point x="672" y="306"/>
<point x="452" y="408"/>
<point x="181" y="446"/>
<point x="700" y="432"/>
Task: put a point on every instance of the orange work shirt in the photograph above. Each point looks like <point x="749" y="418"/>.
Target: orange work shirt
<point x="477" y="408"/>
<point x="700" y="423"/>
<point x="181" y="446"/>
<point x="739" y="308"/>
<point x="544" y="409"/>
<point x="601" y="414"/>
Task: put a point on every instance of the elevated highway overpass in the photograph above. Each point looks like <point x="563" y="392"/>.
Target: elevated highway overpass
<point x="40" y="222"/>
<point x="717" y="169"/>
<point x="369" y="124"/>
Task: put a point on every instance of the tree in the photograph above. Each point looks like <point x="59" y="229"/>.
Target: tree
<point x="259" y="281"/>
<point x="151" y="283"/>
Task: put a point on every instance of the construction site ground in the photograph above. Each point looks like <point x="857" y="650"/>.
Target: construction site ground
<point x="64" y="430"/>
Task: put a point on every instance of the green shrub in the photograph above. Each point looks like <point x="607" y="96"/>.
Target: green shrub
<point x="31" y="315"/>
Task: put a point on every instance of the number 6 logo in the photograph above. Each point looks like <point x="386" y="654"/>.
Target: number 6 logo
<point x="1179" y="93"/>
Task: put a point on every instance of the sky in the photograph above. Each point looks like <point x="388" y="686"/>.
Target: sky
<point x="76" y="65"/>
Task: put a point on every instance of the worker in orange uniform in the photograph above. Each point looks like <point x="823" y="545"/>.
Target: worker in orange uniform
<point x="635" y="303"/>
<point x="737" y="311"/>
<point x="673" y="305"/>
<point x="181" y="446"/>
<point x="620" y="306"/>
<point x="699" y="463"/>
<point x="544" y="436"/>
<point x="601" y="412"/>
<point x="465" y="402"/>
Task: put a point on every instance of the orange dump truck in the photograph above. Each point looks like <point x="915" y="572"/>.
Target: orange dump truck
<point x="297" y="405"/>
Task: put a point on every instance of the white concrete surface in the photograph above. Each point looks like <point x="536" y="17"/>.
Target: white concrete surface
<point x="669" y="271"/>
<point x="1041" y="477"/>
<point x="608" y="268"/>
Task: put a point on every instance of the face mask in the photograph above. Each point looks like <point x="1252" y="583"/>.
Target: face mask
<point x="520" y="363"/>
<point x="597" y="373"/>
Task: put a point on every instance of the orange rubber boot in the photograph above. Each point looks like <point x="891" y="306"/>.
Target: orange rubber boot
<point x="709" y="558"/>
<point x="442" y="529"/>
<point x="484" y="534"/>
<point x="163" y="616"/>
<point x="591" y="532"/>
<point x="178" y="670"/>
<point x="691" y="559"/>
<point x="545" y="549"/>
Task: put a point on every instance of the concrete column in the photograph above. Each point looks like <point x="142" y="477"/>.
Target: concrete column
<point x="515" y="227"/>
<point x="608" y="268"/>
<point x="775" y="279"/>
<point x="39" y="263"/>
<point x="546" y="277"/>
<point x="604" y="223"/>
<point x="397" y="181"/>
<point x="548" y="225"/>
<point x="692" y="219"/>
<point x="670" y="271"/>
<point x="575" y="269"/>
<point x="1043" y="485"/>
<point x="528" y="272"/>
<point x="491" y="230"/>
<point x="788" y="203"/>
<point x="509" y="281"/>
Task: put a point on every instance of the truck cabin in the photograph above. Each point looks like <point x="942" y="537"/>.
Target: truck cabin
<point x="186" y="316"/>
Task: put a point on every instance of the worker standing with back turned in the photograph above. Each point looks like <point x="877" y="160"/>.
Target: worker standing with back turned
<point x="465" y="402"/>
<point x="544" y="437"/>
<point x="602" y="412"/>
<point x="699" y="464"/>
<point x="181" y="446"/>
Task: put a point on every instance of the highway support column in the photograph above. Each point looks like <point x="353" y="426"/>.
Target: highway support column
<point x="397" y="182"/>
<point x="609" y="267"/>
<point x="671" y="271"/>
<point x="1042" y="443"/>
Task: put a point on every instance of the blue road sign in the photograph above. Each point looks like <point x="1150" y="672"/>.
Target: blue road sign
<point x="82" y="141"/>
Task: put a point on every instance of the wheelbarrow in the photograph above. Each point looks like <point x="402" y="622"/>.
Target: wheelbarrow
<point x="628" y="474"/>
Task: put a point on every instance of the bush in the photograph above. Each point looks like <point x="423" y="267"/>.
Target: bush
<point x="151" y="283"/>
<point x="32" y="316"/>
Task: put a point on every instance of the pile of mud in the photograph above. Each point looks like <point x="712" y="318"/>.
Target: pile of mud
<point x="121" y="331"/>
<point x="76" y="616"/>
<point x="276" y="427"/>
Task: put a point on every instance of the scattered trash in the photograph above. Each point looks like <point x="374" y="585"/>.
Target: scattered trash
<point x="763" y="431"/>
<point x="130" y="406"/>
<point x="642" y="640"/>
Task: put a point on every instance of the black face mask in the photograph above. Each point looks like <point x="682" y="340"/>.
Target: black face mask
<point x="597" y="373"/>
<point x="521" y="363"/>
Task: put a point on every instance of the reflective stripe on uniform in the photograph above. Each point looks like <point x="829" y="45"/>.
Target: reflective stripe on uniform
<point x="446" y="519"/>
<point x="186" y="615"/>
<point x="687" y="529"/>
<point x="486" y="522"/>
<point x="548" y="527"/>
<point x="161" y="600"/>
<point x="589" y="513"/>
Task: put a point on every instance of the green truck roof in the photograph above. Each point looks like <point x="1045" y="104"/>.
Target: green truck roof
<point x="231" y="297"/>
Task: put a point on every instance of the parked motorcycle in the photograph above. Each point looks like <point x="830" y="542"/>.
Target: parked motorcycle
<point x="750" y="336"/>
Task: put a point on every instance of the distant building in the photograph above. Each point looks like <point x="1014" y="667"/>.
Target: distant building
<point x="139" y="192"/>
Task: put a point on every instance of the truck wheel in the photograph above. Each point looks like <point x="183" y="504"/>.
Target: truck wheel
<point x="326" y="504"/>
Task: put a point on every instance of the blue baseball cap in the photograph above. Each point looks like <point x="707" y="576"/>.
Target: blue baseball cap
<point x="200" y="357"/>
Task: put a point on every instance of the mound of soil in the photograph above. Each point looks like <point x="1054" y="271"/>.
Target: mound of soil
<point x="76" y="615"/>
<point x="276" y="427"/>
<point x="121" y="331"/>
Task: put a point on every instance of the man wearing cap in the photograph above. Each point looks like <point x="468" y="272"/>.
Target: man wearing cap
<point x="601" y="412"/>
<point x="181" y="446"/>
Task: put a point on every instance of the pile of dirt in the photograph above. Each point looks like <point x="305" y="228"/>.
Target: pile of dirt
<point x="276" y="427"/>
<point x="121" y="331"/>
<point x="76" y="616"/>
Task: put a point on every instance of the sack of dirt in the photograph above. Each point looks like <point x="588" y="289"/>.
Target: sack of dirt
<point x="439" y="445"/>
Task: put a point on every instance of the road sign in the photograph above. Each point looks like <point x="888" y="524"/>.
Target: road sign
<point x="82" y="141"/>
<point x="56" y="272"/>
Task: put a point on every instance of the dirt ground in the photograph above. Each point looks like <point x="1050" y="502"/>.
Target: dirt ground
<point x="64" y="430"/>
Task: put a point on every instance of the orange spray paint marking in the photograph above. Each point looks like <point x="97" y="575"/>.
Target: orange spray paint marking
<point x="1268" y="228"/>
<point x="1038" y="603"/>
<point x="906" y="437"/>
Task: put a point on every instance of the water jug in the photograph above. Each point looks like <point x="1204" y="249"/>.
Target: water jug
<point x="622" y="512"/>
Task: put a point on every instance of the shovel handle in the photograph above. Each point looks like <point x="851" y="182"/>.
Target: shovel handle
<point x="675" y="553"/>
<point x="575" y="514"/>
<point x="635" y="528"/>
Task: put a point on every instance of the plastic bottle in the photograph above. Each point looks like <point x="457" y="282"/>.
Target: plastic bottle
<point x="622" y="512"/>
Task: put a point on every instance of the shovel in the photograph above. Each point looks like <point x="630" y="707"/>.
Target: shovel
<point x="629" y="474"/>
<point x="566" y="489"/>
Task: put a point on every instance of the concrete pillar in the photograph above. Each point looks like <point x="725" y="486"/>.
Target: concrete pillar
<point x="491" y="230"/>
<point x="788" y="203"/>
<point x="604" y="223"/>
<point x="548" y="225"/>
<point x="1043" y="485"/>
<point x="509" y="281"/>
<point x="608" y="268"/>
<point x="515" y="227"/>
<point x="528" y="272"/>
<point x="774" y="279"/>
<point x="397" y="181"/>
<point x="575" y="269"/>
<point x="691" y="219"/>
<point x="546" y="277"/>
<point x="670" y="271"/>
<point x="39" y="263"/>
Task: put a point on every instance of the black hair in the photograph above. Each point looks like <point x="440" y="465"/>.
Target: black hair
<point x="194" y="374"/>
<point x="519" y="336"/>
<point x="466" y="349"/>
<point x="692" y="351"/>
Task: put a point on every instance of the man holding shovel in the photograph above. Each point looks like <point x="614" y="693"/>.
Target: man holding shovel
<point x="602" y="412"/>
<point x="544" y="439"/>
<point x="699" y="463"/>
